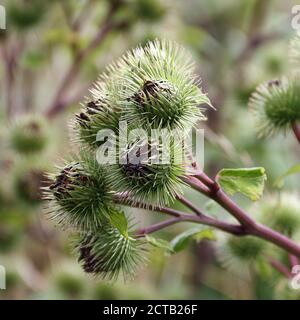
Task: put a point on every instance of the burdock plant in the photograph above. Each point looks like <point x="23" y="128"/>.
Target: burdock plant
<point x="275" y="105"/>
<point x="99" y="112"/>
<point x="148" y="181"/>
<point x="109" y="251"/>
<point x="154" y="88"/>
<point x="80" y="195"/>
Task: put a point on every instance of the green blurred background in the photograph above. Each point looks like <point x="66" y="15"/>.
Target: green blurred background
<point x="52" y="51"/>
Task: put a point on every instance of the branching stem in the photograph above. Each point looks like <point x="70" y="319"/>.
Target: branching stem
<point x="61" y="101"/>
<point x="212" y="190"/>
<point x="180" y="216"/>
<point x="250" y="225"/>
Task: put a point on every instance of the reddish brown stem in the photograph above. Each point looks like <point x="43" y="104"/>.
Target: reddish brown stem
<point x="180" y="216"/>
<point x="296" y="130"/>
<point x="250" y="225"/>
<point x="207" y="221"/>
<point x="189" y="205"/>
<point x="294" y="261"/>
<point x="158" y="226"/>
<point x="280" y="267"/>
<point x="197" y="185"/>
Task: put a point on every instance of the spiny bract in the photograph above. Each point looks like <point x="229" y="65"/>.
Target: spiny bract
<point x="276" y="105"/>
<point x="147" y="179"/>
<point x="239" y="254"/>
<point x="80" y="195"/>
<point x="108" y="252"/>
<point x="155" y="87"/>
<point x="99" y="112"/>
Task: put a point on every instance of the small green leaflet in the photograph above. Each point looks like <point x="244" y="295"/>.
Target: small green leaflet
<point x="279" y="182"/>
<point x="160" y="243"/>
<point x="182" y="240"/>
<point x="248" y="181"/>
<point x="119" y="221"/>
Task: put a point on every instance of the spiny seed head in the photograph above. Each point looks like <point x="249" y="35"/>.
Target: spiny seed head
<point x="248" y="248"/>
<point x="276" y="105"/>
<point x="70" y="176"/>
<point x="108" y="252"/>
<point x="98" y="113"/>
<point x="79" y="195"/>
<point x="282" y="213"/>
<point x="155" y="87"/>
<point x="28" y="135"/>
<point x="151" y="90"/>
<point x="240" y="253"/>
<point x="146" y="177"/>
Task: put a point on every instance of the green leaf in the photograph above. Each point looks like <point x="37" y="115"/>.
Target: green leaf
<point x="248" y="181"/>
<point x="198" y="233"/>
<point x="119" y="221"/>
<point x="279" y="182"/>
<point x="160" y="243"/>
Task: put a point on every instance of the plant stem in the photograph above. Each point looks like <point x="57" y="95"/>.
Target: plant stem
<point x="294" y="261"/>
<point x="60" y="101"/>
<point x="212" y="190"/>
<point x="196" y="184"/>
<point x="250" y="225"/>
<point x="10" y="53"/>
<point x="229" y="205"/>
<point x="222" y="199"/>
<point x="280" y="267"/>
<point x="296" y="130"/>
<point x="206" y="180"/>
<point x="157" y="226"/>
<point x="227" y="227"/>
<point x="180" y="216"/>
<point x="189" y="205"/>
<point x="276" y="238"/>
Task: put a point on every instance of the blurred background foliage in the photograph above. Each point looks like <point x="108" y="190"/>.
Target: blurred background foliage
<point x="51" y="52"/>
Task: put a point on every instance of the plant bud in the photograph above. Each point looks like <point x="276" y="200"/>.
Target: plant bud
<point x="80" y="195"/>
<point x="97" y="114"/>
<point x="108" y="252"/>
<point x="29" y="135"/>
<point x="147" y="178"/>
<point x="275" y="105"/>
<point x="240" y="254"/>
<point x="155" y="87"/>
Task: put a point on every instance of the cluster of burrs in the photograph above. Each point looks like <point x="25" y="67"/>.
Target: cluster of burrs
<point x="148" y="88"/>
